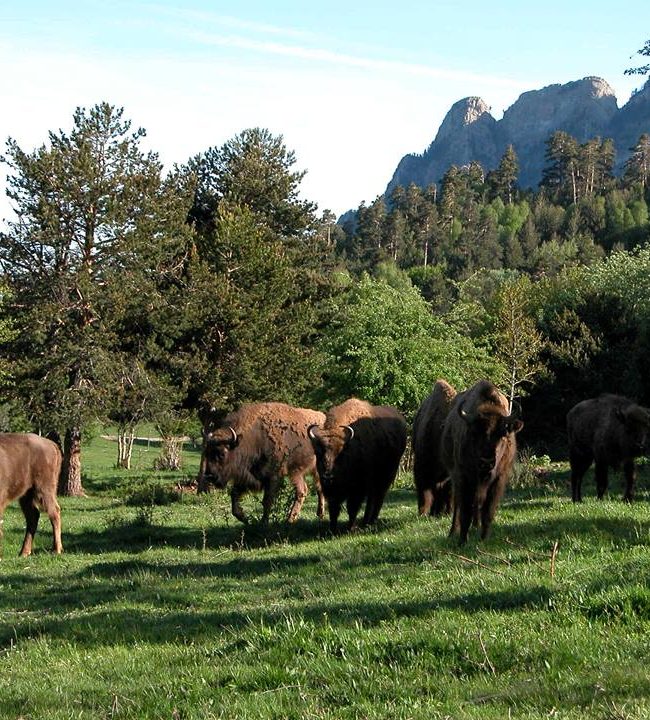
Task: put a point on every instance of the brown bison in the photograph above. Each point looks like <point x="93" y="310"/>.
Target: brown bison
<point x="29" y="470"/>
<point x="429" y="472"/>
<point x="611" y="430"/>
<point x="358" y="450"/>
<point x="254" y="448"/>
<point x="478" y="449"/>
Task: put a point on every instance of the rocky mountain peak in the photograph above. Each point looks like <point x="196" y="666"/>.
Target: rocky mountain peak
<point x="585" y="109"/>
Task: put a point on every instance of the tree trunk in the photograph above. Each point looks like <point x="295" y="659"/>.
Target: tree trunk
<point x="70" y="479"/>
<point x="125" y="438"/>
<point x="170" y="453"/>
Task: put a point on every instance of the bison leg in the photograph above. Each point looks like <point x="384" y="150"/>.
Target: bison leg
<point x="51" y="507"/>
<point x="490" y="505"/>
<point x="32" y="514"/>
<point x="579" y="466"/>
<point x="425" y="500"/>
<point x="374" y="505"/>
<point x="353" y="505"/>
<point x="320" y="509"/>
<point x="455" y="513"/>
<point x="271" y="487"/>
<point x="629" y="471"/>
<point x="334" y="507"/>
<point x="235" y="503"/>
<point x="301" y="493"/>
<point x="601" y="479"/>
<point x="441" y="498"/>
<point x="465" y="516"/>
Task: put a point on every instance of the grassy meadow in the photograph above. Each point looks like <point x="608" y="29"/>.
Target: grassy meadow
<point x="164" y="606"/>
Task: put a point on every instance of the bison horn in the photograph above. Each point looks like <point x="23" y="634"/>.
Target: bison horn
<point x="515" y="411"/>
<point x="234" y="435"/>
<point x="350" y="431"/>
<point x="310" y="432"/>
<point x="465" y="415"/>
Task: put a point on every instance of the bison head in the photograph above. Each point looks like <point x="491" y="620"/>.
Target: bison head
<point x="636" y="420"/>
<point x="328" y="445"/>
<point x="217" y="448"/>
<point x="489" y="424"/>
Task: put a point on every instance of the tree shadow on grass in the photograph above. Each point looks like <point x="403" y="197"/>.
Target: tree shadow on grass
<point x="601" y="528"/>
<point x="174" y="621"/>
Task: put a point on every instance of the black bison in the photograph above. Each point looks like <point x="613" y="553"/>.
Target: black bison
<point x="254" y="448"/>
<point x="29" y="470"/>
<point x="429" y="472"/>
<point x="358" y="450"/>
<point x="611" y="430"/>
<point x="479" y="449"/>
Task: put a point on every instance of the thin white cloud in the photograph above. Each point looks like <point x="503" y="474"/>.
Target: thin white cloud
<point x="344" y="59"/>
<point x="203" y="17"/>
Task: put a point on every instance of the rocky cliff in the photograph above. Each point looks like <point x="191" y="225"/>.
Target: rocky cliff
<point x="585" y="109"/>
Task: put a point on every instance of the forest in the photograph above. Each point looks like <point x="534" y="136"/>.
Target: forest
<point x="129" y="293"/>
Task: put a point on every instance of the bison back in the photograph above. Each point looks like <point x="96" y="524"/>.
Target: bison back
<point x="27" y="460"/>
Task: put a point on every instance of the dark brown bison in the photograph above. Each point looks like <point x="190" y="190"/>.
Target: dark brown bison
<point x="429" y="472"/>
<point x="478" y="449"/>
<point x="29" y="471"/>
<point x="611" y="430"/>
<point x="254" y="448"/>
<point x="358" y="450"/>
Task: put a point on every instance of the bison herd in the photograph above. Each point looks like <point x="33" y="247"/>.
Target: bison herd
<point x="464" y="447"/>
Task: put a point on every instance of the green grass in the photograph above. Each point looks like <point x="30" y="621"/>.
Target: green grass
<point x="176" y="610"/>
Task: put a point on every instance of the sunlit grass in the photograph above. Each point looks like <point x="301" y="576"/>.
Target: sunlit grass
<point x="178" y="611"/>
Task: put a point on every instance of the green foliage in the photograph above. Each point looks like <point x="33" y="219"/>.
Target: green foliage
<point x="641" y="69"/>
<point x="147" y="492"/>
<point x="385" y="346"/>
<point x="517" y="341"/>
<point x="85" y="205"/>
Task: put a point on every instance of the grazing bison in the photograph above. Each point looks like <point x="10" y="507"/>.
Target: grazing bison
<point x="254" y="448"/>
<point x="358" y="450"/>
<point x="29" y="471"/>
<point x="429" y="473"/>
<point x="478" y="449"/>
<point x="611" y="430"/>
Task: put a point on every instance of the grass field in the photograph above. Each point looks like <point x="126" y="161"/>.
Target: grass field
<point x="176" y="610"/>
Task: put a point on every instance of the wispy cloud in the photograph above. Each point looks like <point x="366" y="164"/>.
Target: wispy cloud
<point x="211" y="29"/>
<point x="353" y="61"/>
<point x="227" y="21"/>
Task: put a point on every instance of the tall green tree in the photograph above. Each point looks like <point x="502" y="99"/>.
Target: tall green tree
<point x="253" y="291"/>
<point x="82" y="201"/>
<point x="384" y="345"/>
<point x="503" y="180"/>
<point x="637" y="167"/>
<point x="518" y="341"/>
<point x="560" y="174"/>
<point x="254" y="169"/>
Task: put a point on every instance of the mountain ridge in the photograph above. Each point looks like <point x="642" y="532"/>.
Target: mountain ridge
<point x="583" y="108"/>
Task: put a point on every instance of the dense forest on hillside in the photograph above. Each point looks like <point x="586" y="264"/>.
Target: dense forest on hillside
<point x="130" y="294"/>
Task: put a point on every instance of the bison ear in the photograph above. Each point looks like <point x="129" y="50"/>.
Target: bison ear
<point x="620" y="415"/>
<point x="516" y="426"/>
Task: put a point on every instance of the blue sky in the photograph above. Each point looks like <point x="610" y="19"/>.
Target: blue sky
<point x="352" y="86"/>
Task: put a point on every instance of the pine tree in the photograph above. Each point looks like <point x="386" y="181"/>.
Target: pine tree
<point x="503" y="180"/>
<point x="81" y="203"/>
<point x="637" y="167"/>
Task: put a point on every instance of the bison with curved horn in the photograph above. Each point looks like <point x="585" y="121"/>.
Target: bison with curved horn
<point x="254" y="448"/>
<point x="29" y="471"/>
<point x="479" y="449"/>
<point x="610" y="430"/>
<point x="358" y="450"/>
<point x="429" y="472"/>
